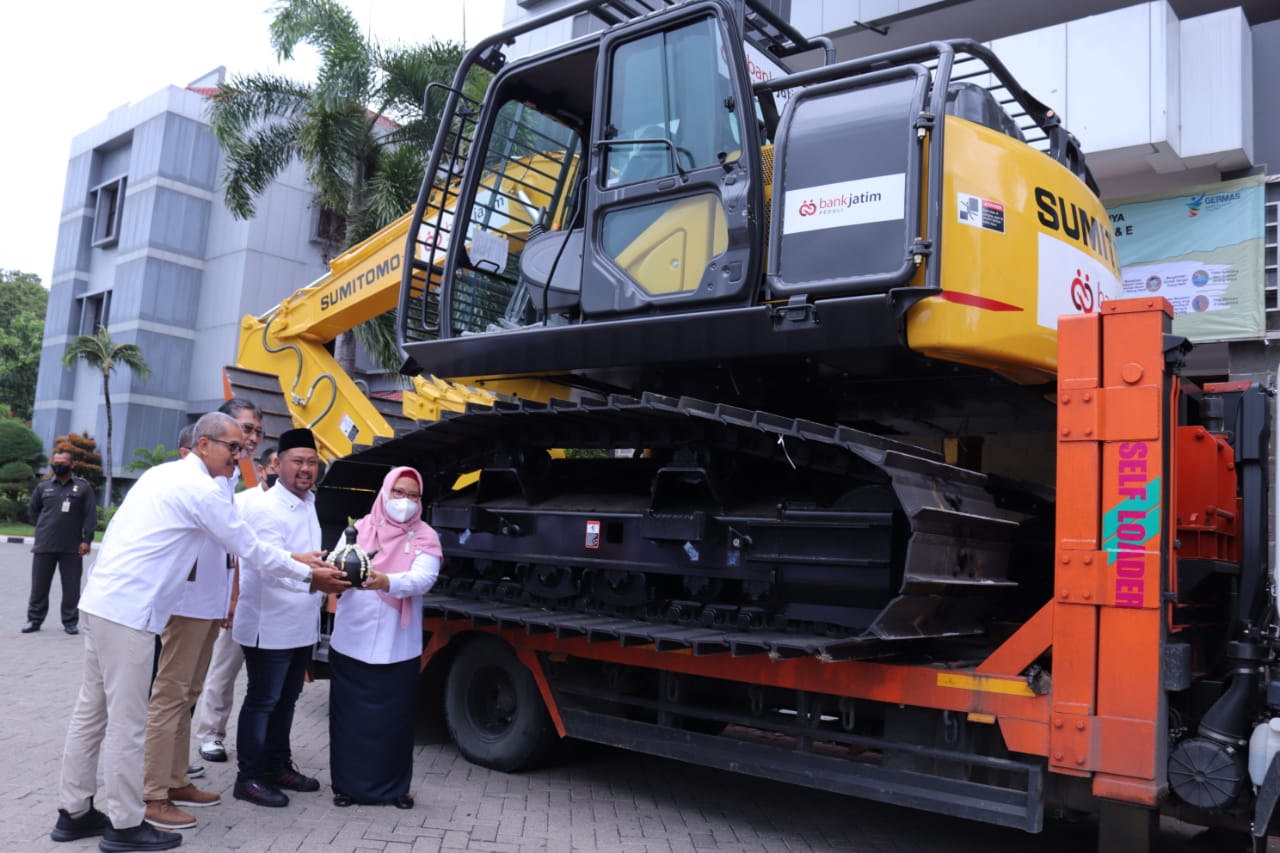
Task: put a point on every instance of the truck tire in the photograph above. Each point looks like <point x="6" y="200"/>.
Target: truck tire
<point x="493" y="709"/>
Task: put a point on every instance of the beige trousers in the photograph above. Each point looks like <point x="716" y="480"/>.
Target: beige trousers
<point x="218" y="697"/>
<point x="186" y="645"/>
<point x="109" y="718"/>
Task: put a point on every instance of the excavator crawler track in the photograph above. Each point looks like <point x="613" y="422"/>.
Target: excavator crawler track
<point x="716" y="528"/>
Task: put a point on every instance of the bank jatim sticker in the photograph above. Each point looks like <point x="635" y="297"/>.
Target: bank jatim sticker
<point x="593" y="535"/>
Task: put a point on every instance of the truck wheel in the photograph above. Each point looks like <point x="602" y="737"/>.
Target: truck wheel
<point x="493" y="709"/>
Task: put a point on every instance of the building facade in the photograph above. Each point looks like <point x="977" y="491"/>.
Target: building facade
<point x="147" y="249"/>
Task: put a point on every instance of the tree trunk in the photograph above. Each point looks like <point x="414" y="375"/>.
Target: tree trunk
<point x="108" y="462"/>
<point x="344" y="345"/>
<point x="344" y="352"/>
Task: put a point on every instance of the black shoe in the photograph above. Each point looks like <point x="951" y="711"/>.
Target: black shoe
<point x="342" y="801"/>
<point x="71" y="629"/>
<point x="294" y="780"/>
<point x="30" y="627"/>
<point x="144" y="836"/>
<point x="260" y="793"/>
<point x="89" y="824"/>
<point x="404" y="801"/>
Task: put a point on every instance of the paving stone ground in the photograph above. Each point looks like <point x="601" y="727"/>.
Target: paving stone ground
<point x="597" y="800"/>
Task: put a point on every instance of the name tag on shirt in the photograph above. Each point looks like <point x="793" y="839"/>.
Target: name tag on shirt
<point x="66" y="504"/>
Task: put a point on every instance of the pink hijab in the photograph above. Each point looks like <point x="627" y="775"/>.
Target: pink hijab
<point x="397" y="542"/>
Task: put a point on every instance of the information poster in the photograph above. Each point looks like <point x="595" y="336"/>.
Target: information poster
<point x="1201" y="250"/>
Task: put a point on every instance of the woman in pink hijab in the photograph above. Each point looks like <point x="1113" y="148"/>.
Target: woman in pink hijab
<point x="374" y="651"/>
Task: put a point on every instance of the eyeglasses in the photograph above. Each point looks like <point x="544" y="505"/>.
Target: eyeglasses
<point x="401" y="493"/>
<point x="234" y="446"/>
<point x="250" y="429"/>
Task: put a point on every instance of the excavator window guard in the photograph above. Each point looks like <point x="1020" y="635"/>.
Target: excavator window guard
<point x="530" y="161"/>
<point x="419" y="307"/>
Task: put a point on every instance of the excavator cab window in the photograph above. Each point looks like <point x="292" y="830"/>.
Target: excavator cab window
<point x="669" y="191"/>
<point x="529" y="184"/>
<point x="671" y="93"/>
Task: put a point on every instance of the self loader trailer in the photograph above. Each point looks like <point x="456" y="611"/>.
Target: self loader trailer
<point x="875" y="484"/>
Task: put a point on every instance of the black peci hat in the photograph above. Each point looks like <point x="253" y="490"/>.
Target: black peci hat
<point x="296" y="438"/>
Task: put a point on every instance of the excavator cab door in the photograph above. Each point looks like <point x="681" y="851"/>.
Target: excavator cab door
<point x="675" y="212"/>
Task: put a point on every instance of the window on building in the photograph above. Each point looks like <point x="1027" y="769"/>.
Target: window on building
<point x="108" y="204"/>
<point x="328" y="226"/>
<point x="93" y="312"/>
<point x="1271" y="237"/>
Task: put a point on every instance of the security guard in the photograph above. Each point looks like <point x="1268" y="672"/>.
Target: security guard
<point x="64" y="510"/>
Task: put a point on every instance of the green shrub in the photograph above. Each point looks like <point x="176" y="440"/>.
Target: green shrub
<point x="16" y="477"/>
<point x="8" y="509"/>
<point x="105" y="516"/>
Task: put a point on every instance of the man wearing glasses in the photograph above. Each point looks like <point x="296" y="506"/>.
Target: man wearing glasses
<point x="187" y="643"/>
<point x="137" y="581"/>
<point x="216" y="699"/>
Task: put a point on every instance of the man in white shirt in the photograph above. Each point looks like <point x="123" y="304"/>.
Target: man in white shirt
<point x="276" y="624"/>
<point x="136" y="583"/>
<point x="216" y="699"/>
<point x="186" y="646"/>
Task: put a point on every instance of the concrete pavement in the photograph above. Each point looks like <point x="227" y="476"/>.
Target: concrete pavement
<point x="603" y="800"/>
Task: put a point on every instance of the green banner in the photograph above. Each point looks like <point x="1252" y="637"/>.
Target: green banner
<point x="1203" y="251"/>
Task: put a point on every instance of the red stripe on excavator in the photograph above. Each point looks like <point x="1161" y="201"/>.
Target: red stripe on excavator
<point x="977" y="301"/>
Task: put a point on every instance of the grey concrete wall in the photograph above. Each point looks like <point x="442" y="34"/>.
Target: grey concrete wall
<point x="1266" y="118"/>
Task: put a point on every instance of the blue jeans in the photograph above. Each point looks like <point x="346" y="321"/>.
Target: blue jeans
<point x="275" y="681"/>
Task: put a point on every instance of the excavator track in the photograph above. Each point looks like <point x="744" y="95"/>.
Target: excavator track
<point x="716" y="529"/>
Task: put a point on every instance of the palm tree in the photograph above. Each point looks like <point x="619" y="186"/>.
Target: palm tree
<point x="360" y="129"/>
<point x="150" y="457"/>
<point x="101" y="352"/>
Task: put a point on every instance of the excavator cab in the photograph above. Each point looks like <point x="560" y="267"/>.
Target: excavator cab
<point x="609" y="187"/>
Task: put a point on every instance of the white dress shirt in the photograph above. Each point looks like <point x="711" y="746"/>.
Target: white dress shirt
<point x="368" y="629"/>
<point x="207" y="592"/>
<point x="152" y="542"/>
<point x="273" y="612"/>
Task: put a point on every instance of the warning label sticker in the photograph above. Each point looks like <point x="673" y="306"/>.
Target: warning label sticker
<point x="980" y="212"/>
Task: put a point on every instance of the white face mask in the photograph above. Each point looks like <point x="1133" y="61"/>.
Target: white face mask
<point x="401" y="509"/>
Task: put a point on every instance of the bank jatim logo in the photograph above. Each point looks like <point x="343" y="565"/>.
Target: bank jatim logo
<point x="808" y="208"/>
<point x="1083" y="294"/>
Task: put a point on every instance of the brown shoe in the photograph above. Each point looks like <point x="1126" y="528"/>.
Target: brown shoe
<point x="190" y="795"/>
<point x="164" y="814"/>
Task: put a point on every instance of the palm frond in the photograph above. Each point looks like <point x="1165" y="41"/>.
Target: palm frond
<point x="347" y="60"/>
<point x="393" y="189"/>
<point x="239" y="106"/>
<point x="100" y="352"/>
<point x="254" y="161"/>
<point x="330" y="143"/>
<point x="406" y="73"/>
<point x="378" y="337"/>
<point x="130" y="355"/>
<point x="324" y="24"/>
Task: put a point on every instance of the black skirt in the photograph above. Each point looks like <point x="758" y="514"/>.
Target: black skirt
<point x="371" y="720"/>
